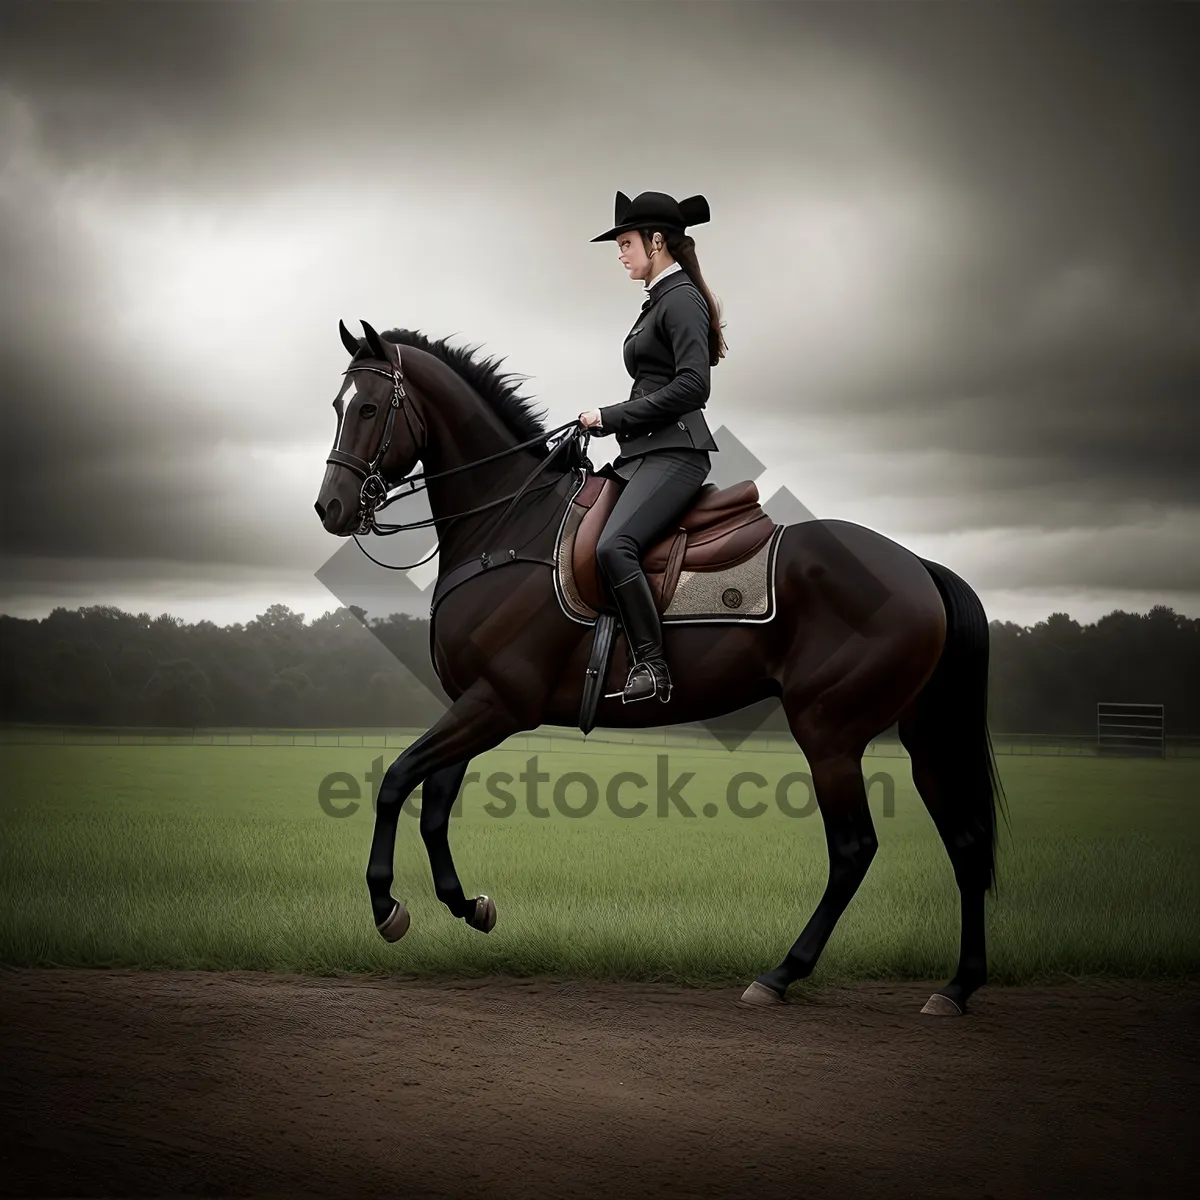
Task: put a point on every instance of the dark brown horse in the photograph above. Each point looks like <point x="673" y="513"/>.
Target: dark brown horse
<point x="864" y="634"/>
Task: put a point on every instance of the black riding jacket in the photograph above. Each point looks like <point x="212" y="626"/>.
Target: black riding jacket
<point x="666" y="353"/>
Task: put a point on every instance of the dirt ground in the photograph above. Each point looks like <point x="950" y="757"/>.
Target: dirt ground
<point x="182" y="1083"/>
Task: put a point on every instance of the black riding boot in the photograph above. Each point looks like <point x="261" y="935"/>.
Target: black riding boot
<point x="648" y="675"/>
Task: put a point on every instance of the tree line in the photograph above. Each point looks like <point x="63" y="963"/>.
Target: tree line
<point x="99" y="665"/>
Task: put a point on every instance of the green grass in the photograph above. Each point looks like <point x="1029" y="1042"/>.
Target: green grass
<point x="222" y="858"/>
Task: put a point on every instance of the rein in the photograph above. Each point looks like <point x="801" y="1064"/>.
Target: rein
<point x="375" y="494"/>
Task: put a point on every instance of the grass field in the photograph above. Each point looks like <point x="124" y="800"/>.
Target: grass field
<point x="225" y="857"/>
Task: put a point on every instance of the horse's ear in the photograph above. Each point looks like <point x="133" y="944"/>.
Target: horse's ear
<point x="375" y="342"/>
<point x="348" y="339"/>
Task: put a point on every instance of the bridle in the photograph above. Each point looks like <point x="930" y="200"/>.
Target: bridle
<point x="374" y="489"/>
<point x="375" y="493"/>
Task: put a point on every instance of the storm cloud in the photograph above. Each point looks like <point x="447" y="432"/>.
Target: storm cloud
<point x="953" y="245"/>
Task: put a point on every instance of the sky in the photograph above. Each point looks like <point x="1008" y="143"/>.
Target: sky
<point x="954" y="248"/>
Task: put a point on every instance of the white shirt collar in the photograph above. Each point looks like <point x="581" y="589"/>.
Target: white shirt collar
<point x="675" y="266"/>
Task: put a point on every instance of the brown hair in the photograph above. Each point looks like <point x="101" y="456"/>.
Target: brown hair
<point x="682" y="248"/>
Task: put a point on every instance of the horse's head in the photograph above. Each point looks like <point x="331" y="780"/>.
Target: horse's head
<point x="380" y="434"/>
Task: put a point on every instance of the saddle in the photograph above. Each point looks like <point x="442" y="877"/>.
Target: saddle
<point x="723" y="527"/>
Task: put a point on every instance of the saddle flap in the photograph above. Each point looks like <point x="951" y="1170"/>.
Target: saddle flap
<point x="590" y="492"/>
<point x="601" y="497"/>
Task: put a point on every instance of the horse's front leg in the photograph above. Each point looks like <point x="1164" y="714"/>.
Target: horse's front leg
<point x="438" y="794"/>
<point x="476" y="722"/>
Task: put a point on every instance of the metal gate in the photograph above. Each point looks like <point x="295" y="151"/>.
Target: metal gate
<point x="1138" y="729"/>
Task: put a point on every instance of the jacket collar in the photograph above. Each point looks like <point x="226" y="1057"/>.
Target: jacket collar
<point x="664" y="274"/>
<point x="658" y="290"/>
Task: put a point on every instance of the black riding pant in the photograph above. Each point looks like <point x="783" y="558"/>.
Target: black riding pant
<point x="661" y="489"/>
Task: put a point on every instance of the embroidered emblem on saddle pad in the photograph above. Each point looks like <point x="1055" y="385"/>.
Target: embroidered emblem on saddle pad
<point x="719" y="565"/>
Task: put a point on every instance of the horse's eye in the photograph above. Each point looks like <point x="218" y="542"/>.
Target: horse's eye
<point x="367" y="411"/>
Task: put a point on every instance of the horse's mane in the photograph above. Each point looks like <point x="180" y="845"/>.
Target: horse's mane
<point x="495" y="387"/>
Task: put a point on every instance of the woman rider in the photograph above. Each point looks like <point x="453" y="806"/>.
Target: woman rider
<point x="663" y="438"/>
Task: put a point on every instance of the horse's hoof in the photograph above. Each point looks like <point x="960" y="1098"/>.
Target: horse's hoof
<point x="941" y="1006"/>
<point x="396" y="925"/>
<point x="761" y="996"/>
<point x="484" y="916"/>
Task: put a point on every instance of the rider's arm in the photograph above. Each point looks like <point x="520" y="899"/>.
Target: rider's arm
<point x="685" y="322"/>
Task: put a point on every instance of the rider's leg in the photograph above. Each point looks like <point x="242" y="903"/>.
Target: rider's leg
<point x="659" y="493"/>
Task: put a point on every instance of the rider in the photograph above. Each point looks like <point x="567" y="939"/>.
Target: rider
<point x="663" y="437"/>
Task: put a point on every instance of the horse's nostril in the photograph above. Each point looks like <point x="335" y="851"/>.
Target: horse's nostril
<point x="333" y="514"/>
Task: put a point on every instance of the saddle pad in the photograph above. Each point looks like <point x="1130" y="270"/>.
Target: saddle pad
<point x="744" y="592"/>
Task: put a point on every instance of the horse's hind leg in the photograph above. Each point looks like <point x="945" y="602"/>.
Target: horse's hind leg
<point x="850" y="837"/>
<point x="936" y="785"/>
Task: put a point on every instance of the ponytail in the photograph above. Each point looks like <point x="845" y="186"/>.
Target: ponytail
<point x="682" y="249"/>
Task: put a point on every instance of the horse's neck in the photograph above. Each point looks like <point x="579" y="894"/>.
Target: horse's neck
<point x="459" y="434"/>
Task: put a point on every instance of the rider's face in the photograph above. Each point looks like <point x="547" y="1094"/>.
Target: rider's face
<point x="632" y="253"/>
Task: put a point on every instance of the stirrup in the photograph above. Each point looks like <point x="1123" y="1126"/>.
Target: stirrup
<point x="646" y="680"/>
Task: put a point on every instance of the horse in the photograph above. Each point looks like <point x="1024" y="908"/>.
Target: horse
<point x="865" y="635"/>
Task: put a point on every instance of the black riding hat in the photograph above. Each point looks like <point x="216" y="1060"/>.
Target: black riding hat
<point x="655" y="210"/>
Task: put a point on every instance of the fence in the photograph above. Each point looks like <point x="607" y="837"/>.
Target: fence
<point x="1042" y="745"/>
<point x="1131" y="729"/>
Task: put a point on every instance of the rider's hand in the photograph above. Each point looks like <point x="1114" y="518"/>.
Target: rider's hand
<point x="591" y="420"/>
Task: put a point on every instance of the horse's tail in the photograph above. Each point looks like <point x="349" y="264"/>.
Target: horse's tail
<point x="952" y="708"/>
